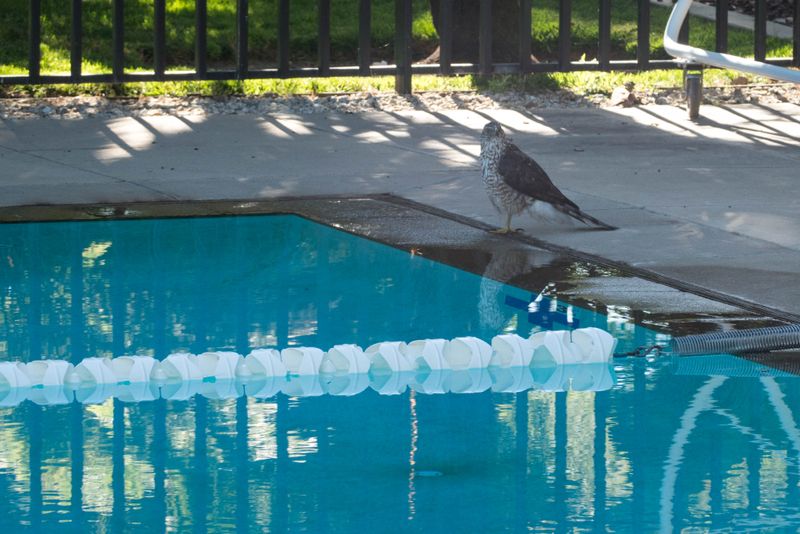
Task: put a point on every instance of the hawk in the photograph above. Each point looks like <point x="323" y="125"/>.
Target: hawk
<point x="515" y="182"/>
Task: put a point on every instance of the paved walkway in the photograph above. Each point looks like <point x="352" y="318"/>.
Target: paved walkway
<point x="714" y="204"/>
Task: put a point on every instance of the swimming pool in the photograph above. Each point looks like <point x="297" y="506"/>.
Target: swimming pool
<point x="704" y="443"/>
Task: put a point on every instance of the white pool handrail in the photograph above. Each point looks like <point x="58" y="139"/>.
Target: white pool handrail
<point x="717" y="59"/>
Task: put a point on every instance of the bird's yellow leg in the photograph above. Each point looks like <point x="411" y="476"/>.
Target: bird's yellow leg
<point x="505" y="230"/>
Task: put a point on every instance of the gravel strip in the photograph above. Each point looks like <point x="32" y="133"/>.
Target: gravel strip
<point x="93" y="106"/>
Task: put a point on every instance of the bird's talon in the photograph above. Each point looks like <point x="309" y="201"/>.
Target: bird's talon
<point x="502" y="231"/>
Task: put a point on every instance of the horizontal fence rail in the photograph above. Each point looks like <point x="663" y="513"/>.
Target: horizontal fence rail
<point x="403" y="68"/>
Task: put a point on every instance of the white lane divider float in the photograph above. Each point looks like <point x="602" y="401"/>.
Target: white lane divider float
<point x="302" y="360"/>
<point x="552" y="361"/>
<point x="265" y="362"/>
<point x="428" y="353"/>
<point x="48" y="372"/>
<point x="511" y="350"/>
<point x="93" y="371"/>
<point x="222" y="366"/>
<point x="133" y="369"/>
<point x="467" y="353"/>
<point x="178" y="367"/>
<point x="345" y="360"/>
<point x="561" y="347"/>
<point x="389" y="357"/>
<point x="14" y="375"/>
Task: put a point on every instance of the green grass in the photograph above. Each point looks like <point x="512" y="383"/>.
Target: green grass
<point x="303" y="36"/>
<point x="581" y="83"/>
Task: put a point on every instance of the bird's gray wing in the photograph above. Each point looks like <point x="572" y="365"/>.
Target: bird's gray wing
<point x="523" y="174"/>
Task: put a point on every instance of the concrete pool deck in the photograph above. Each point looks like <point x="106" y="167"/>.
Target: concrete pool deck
<point x="712" y="206"/>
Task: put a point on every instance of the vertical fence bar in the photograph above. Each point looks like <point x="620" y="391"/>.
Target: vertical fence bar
<point x="525" y="35"/>
<point x="118" y="40"/>
<point x="75" y="45"/>
<point x="722" y="26"/>
<point x="564" y="33"/>
<point x="159" y="52"/>
<point x="604" y="44"/>
<point x="683" y="35"/>
<point x="200" y="37"/>
<point x="283" y="37"/>
<point x="35" y="37"/>
<point x="446" y="37"/>
<point x="324" y="40"/>
<point x="364" y="36"/>
<point x="760" y="31"/>
<point x="242" y="16"/>
<point x="485" y="38"/>
<point x="402" y="46"/>
<point x="643" y="34"/>
<point x="796" y="32"/>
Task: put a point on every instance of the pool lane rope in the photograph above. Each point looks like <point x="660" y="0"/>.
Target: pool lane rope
<point x="438" y="365"/>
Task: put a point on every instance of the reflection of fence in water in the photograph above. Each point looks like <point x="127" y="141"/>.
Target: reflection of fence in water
<point x="566" y="425"/>
<point x="173" y="292"/>
<point x="702" y="402"/>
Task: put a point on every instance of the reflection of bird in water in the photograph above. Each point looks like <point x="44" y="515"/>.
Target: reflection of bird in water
<point x="506" y="264"/>
<point x="515" y="182"/>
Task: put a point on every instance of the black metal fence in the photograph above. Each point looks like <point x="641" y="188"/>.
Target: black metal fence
<point x="403" y="69"/>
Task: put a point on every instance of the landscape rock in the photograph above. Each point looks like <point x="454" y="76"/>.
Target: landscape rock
<point x="72" y="108"/>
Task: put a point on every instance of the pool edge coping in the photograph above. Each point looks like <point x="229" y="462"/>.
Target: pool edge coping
<point x="227" y="207"/>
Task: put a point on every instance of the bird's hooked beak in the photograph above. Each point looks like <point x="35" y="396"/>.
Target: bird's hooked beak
<point x="492" y="129"/>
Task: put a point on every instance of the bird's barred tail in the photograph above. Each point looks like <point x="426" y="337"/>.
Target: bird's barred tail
<point x="588" y="219"/>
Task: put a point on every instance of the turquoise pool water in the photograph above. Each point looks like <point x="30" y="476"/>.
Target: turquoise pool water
<point x="706" y="443"/>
